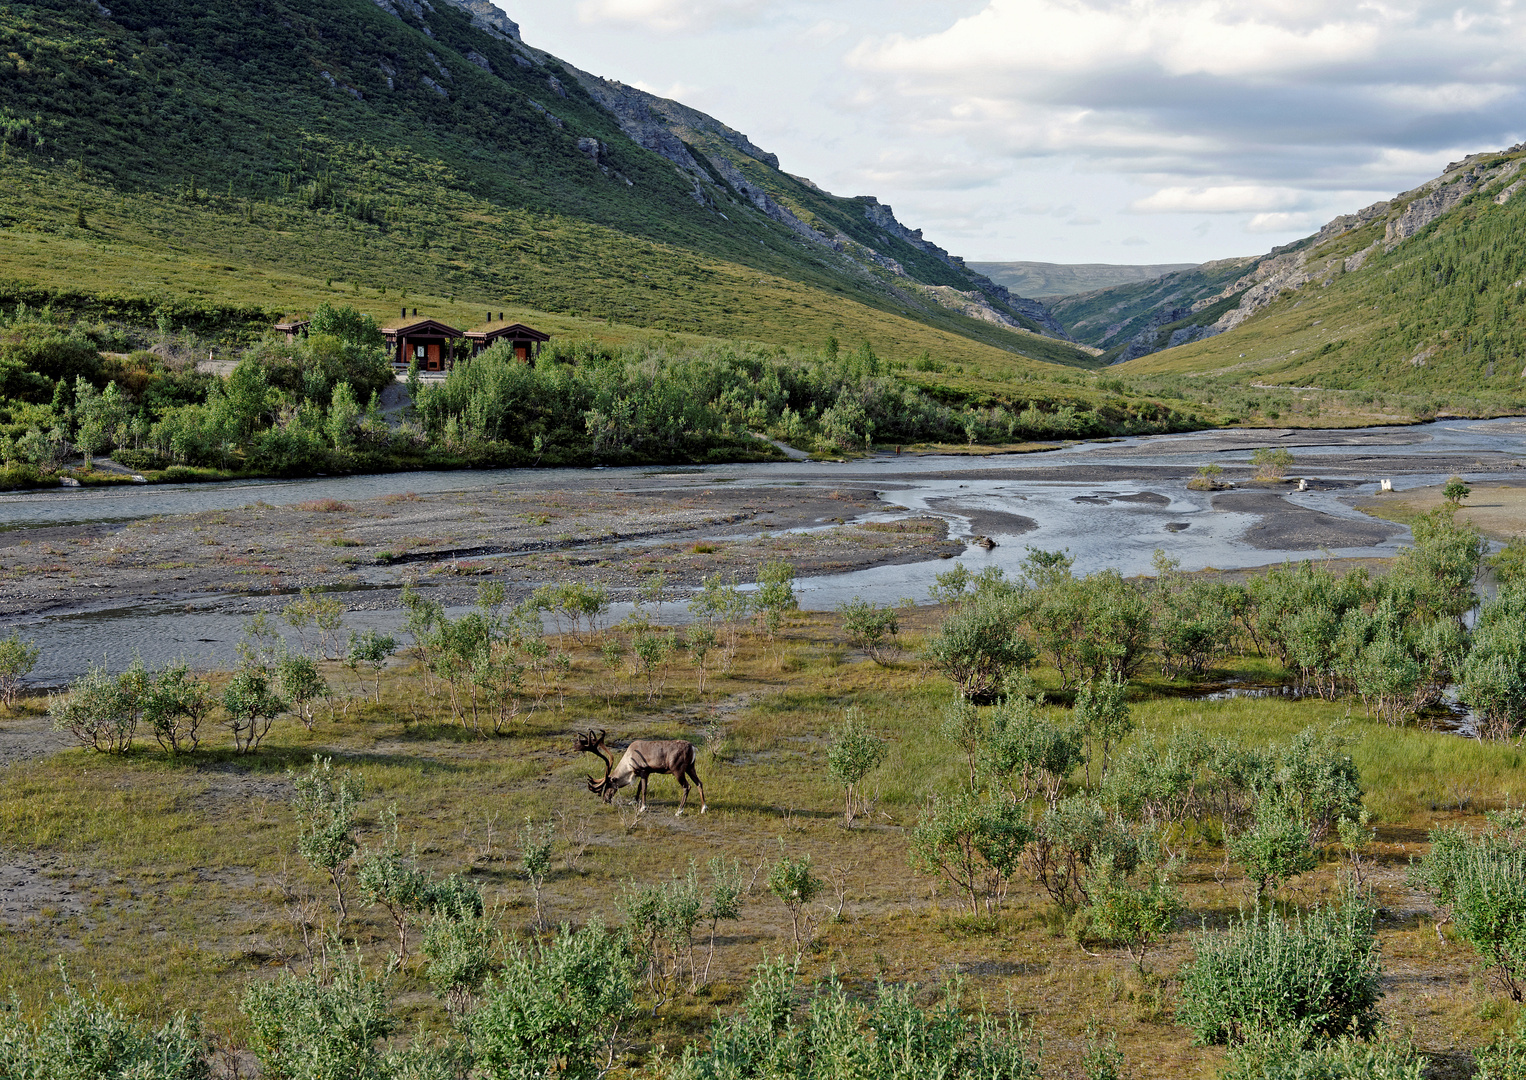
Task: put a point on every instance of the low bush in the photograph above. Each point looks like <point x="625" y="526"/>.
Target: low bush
<point x="1479" y="883"/>
<point x="82" y="1037"/>
<point x="558" y="1008"/>
<point x="1281" y="1057"/>
<point x="1313" y="975"/>
<point x="839" y="1038"/>
<point x="328" y="1022"/>
<point x="978" y="647"/>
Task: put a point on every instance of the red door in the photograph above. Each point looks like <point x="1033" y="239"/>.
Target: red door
<point x="433" y="352"/>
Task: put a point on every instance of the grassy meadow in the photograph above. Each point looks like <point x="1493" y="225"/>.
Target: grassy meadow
<point x="174" y="882"/>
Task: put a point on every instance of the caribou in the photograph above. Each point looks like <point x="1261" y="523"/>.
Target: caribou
<point x="642" y="758"/>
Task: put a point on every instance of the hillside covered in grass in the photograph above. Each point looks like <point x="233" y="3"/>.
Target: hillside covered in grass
<point x="407" y="146"/>
<point x="1419" y="298"/>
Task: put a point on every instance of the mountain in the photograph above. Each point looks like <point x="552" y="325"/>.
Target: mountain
<point x="1047" y="280"/>
<point x="219" y="160"/>
<point x="1420" y="294"/>
<point x="1454" y="242"/>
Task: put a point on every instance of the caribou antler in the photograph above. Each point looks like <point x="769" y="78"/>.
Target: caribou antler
<point x="592" y="742"/>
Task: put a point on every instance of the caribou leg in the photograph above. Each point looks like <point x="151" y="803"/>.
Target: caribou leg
<point x="641" y="794"/>
<point x="683" y="782"/>
<point x="695" y="777"/>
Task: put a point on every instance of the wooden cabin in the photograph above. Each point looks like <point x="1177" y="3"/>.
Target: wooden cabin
<point x="431" y="343"/>
<point x="525" y="341"/>
<point x="292" y="326"/>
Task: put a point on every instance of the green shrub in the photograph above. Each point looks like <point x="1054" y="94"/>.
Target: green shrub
<point x="558" y="1007"/>
<point x="102" y="710"/>
<point x="322" y="1025"/>
<point x="855" y="752"/>
<point x="975" y="844"/>
<point x="791" y="881"/>
<point x="979" y="646"/>
<point x="1075" y="841"/>
<point x="462" y="946"/>
<point x="17" y="660"/>
<point x="839" y="1038"/>
<point x="1313" y="975"/>
<point x="1480" y="883"/>
<point x="1134" y="915"/>
<point x="871" y="628"/>
<point x="1271" y="463"/>
<point x="1275" y="848"/>
<point x="1282" y="1056"/>
<point x="83" y="1038"/>
<point x="1493" y="677"/>
<point x="1505" y="1057"/>
<point x="325" y="805"/>
<point x="1027" y="754"/>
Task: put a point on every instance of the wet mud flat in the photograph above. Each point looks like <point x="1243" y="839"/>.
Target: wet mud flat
<point x="450" y="540"/>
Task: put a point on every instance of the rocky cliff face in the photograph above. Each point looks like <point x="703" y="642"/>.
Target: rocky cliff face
<point x="706" y="150"/>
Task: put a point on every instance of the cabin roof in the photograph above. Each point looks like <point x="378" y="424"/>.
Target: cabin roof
<point x="491" y="331"/>
<point x="409" y="327"/>
<point x="293" y="322"/>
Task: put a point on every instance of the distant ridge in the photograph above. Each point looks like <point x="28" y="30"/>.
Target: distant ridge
<point x="1067" y="279"/>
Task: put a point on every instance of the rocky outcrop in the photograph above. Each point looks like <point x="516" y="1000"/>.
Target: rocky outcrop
<point x="687" y="138"/>
<point x="646" y="118"/>
<point x="976" y="305"/>
<point x="1432" y="200"/>
<point x="488" y="16"/>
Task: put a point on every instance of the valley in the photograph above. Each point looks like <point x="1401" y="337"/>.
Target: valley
<point x="1089" y="670"/>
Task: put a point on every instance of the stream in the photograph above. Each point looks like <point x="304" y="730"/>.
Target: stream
<point x="1111" y="503"/>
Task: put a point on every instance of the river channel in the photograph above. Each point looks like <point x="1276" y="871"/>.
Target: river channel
<point x="1110" y="503"/>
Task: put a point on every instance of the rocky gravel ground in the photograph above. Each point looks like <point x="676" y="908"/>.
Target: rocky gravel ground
<point x="620" y="537"/>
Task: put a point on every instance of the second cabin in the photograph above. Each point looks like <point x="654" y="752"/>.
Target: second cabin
<point x="525" y="342"/>
<point x="436" y="345"/>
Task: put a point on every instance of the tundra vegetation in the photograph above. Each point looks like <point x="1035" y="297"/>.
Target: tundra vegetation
<point x="314" y="405"/>
<point x="938" y="863"/>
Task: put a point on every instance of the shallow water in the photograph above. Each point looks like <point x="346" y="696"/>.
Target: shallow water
<point x="75" y="505"/>
<point x="1101" y="524"/>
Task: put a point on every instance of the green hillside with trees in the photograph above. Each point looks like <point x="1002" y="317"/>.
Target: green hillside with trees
<point x="343" y="141"/>
<point x="1436" y="318"/>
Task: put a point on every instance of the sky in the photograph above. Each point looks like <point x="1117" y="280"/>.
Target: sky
<point x="1071" y="131"/>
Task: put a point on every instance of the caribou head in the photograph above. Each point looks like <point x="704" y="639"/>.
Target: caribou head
<point x="641" y="759"/>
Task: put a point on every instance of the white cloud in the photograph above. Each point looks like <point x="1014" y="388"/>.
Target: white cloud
<point x="1282" y="223"/>
<point x="1232" y="97"/>
<point x="674" y="92"/>
<point x="1224" y="199"/>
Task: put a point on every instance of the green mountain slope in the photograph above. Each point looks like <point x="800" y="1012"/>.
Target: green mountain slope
<point x="1140" y="318"/>
<point x="1046" y="280"/>
<point x="401" y="145"/>
<point x="1420" y="295"/>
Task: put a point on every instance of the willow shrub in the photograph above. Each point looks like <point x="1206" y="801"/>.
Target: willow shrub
<point x="1480" y="881"/>
<point x="1278" y="1057"/>
<point x="84" y="1036"/>
<point x="839" y="1038"/>
<point x="1313" y="975"/>
<point x="559" y="1006"/>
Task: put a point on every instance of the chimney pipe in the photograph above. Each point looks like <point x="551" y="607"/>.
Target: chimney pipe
<point x="415" y="313"/>
<point x="405" y="313"/>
